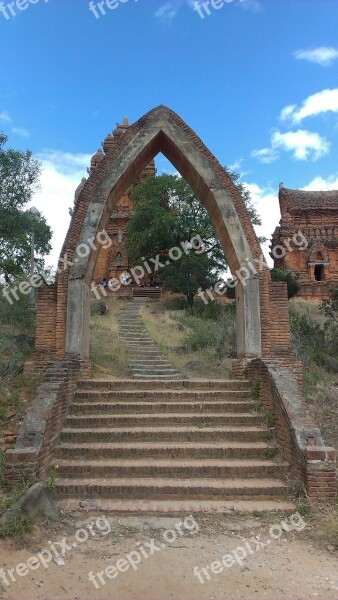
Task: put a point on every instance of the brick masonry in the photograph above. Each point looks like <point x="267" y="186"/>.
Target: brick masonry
<point x="43" y="423"/>
<point x="312" y="463"/>
<point x="315" y="214"/>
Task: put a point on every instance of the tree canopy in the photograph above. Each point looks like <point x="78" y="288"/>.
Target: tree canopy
<point x="19" y="180"/>
<point x="167" y="215"/>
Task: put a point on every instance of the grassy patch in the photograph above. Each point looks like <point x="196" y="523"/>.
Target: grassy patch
<point x="315" y="340"/>
<point x="195" y="340"/>
<point x="107" y="353"/>
<point x="16" y="527"/>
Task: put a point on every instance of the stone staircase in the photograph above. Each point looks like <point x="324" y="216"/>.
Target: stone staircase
<point x="145" y="359"/>
<point x="168" y="446"/>
<point x="150" y="293"/>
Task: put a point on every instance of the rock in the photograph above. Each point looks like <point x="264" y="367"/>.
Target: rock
<point x="331" y="364"/>
<point x="330" y="548"/>
<point x="227" y="363"/>
<point x="37" y="501"/>
<point x="98" y="307"/>
<point x="194" y="364"/>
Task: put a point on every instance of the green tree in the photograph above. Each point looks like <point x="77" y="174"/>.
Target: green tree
<point x="19" y="180"/>
<point x="168" y="214"/>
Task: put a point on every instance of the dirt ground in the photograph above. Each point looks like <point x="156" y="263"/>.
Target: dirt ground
<point x="153" y="558"/>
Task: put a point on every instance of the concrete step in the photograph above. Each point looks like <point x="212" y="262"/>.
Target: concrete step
<point x="160" y="407"/>
<point x="182" y="489"/>
<point x="77" y="434"/>
<point x="170" y="468"/>
<point x="205" y="420"/>
<point x="179" y="507"/>
<point x="157" y="450"/>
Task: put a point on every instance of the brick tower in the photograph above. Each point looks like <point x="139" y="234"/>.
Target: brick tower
<point x="315" y="214"/>
<point x="113" y="261"/>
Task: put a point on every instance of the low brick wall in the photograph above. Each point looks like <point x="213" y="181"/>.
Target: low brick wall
<point x="43" y="423"/>
<point x="281" y="393"/>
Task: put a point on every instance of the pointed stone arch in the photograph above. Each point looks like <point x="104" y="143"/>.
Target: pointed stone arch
<point x="111" y="174"/>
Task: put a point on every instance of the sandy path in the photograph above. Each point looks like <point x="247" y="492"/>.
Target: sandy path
<point x="289" y="568"/>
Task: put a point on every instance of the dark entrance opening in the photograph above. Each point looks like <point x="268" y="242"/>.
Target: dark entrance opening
<point x="319" y="272"/>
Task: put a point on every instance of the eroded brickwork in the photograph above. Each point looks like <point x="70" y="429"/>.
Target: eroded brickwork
<point x="113" y="261"/>
<point x="315" y="214"/>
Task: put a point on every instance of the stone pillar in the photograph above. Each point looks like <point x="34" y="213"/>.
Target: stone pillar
<point x="77" y="340"/>
<point x="249" y="343"/>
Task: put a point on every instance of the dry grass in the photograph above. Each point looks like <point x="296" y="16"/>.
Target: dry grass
<point x="107" y="353"/>
<point x="170" y="335"/>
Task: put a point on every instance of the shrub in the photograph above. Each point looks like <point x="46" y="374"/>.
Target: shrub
<point x="289" y="278"/>
<point x="213" y="326"/>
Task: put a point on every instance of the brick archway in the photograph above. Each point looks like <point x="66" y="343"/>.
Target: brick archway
<point x="262" y="310"/>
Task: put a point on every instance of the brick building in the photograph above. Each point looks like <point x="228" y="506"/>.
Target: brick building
<point x="113" y="261"/>
<point x="315" y="214"/>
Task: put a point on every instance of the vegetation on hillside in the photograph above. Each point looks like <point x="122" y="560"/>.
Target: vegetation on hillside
<point x="107" y="353"/>
<point x="198" y="340"/>
<point x="315" y="343"/>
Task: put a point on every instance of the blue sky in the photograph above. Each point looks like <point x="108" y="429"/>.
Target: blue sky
<point x="256" y="79"/>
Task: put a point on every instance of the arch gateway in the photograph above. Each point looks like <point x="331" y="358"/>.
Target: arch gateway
<point x="264" y="339"/>
<point x="63" y="311"/>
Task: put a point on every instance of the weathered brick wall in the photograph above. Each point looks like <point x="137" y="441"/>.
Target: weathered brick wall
<point x="312" y="463"/>
<point x="45" y="324"/>
<point x="43" y="423"/>
<point x="315" y="214"/>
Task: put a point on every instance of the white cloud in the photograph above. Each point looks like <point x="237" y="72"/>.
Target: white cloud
<point x="21" y="132"/>
<point x="61" y="175"/>
<point x="265" y="155"/>
<point x="166" y="13"/>
<point x="323" y="55"/>
<point x="5" y="117"/>
<point x="267" y="205"/>
<point x="318" y="183"/>
<point x="252" y="5"/>
<point x="321" y="102"/>
<point x="305" y="145"/>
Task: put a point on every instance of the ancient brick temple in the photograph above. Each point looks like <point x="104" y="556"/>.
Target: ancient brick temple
<point x="315" y="214"/>
<point x="113" y="261"/>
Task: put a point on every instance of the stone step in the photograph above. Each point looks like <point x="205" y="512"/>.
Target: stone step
<point x="162" y="395"/>
<point x="163" y="434"/>
<point x="145" y="354"/>
<point x="156" y="450"/>
<point x="153" y="372"/>
<point x="170" y="376"/>
<point x="181" y="489"/>
<point x="194" y="384"/>
<point x="179" y="507"/>
<point x="148" y="362"/>
<point x="171" y="469"/>
<point x="207" y="420"/>
<point x="162" y="407"/>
